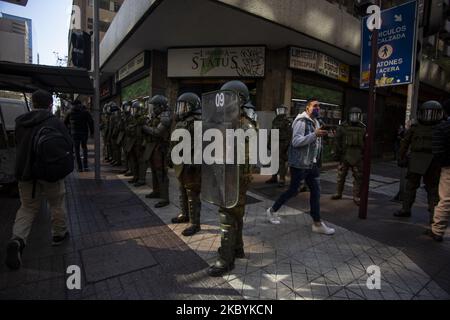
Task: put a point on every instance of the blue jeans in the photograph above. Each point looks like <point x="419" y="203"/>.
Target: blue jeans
<point x="311" y="177"/>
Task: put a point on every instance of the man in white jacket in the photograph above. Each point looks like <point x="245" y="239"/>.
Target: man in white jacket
<point x="304" y="161"/>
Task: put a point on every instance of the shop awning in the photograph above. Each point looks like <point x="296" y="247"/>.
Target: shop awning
<point x="23" y="77"/>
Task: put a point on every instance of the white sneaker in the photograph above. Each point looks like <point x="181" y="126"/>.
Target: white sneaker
<point x="272" y="216"/>
<point x="323" y="229"/>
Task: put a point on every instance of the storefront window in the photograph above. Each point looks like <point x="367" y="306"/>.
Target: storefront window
<point x="139" y="89"/>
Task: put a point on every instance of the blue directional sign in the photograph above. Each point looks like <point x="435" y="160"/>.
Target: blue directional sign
<point x="396" y="47"/>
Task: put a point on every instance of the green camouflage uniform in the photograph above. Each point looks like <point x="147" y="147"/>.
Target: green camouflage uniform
<point x="130" y="141"/>
<point x="189" y="177"/>
<point x="418" y="139"/>
<point x="284" y="125"/>
<point x="157" y="136"/>
<point x="115" y="131"/>
<point x="106" y="126"/>
<point x="349" y="153"/>
<point x="139" y="150"/>
<point x="232" y="219"/>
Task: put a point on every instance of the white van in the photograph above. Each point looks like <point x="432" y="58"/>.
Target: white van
<point x="10" y="109"/>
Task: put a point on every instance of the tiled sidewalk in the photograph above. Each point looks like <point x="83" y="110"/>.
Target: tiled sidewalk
<point x="288" y="261"/>
<point x="123" y="249"/>
<point x="128" y="250"/>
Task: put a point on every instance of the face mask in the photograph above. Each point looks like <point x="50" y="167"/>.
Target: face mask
<point x="316" y="113"/>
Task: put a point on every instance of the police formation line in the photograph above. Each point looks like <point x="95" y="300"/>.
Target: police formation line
<point x="143" y="133"/>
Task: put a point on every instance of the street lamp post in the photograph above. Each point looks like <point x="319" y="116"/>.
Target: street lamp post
<point x="97" y="90"/>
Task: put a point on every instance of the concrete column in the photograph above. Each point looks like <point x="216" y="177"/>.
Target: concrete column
<point x="271" y="91"/>
<point x="288" y="89"/>
<point x="159" y="82"/>
<point x="158" y="73"/>
<point x="275" y="88"/>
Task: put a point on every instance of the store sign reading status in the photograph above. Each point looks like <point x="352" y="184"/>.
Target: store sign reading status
<point x="217" y="62"/>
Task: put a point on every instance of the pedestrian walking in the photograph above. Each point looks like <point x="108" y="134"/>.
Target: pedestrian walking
<point x="41" y="138"/>
<point x="441" y="151"/>
<point x="80" y="122"/>
<point x="305" y="161"/>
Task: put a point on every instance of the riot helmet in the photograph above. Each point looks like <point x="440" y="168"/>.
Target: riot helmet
<point x="126" y="107"/>
<point x="430" y="112"/>
<point x="137" y="108"/>
<point x="106" y="108"/>
<point x="355" y="115"/>
<point x="244" y="96"/>
<point x="113" y="107"/>
<point x="158" y="104"/>
<point x="240" y="88"/>
<point x="281" y="110"/>
<point x="188" y="103"/>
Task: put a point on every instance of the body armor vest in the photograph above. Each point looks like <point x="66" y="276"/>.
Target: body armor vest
<point x="284" y="126"/>
<point x="422" y="139"/>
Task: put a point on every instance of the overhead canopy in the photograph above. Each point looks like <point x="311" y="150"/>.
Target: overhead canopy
<point x="30" y="77"/>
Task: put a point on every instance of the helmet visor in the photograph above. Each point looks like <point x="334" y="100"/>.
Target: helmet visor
<point x="183" y="108"/>
<point x="355" y="117"/>
<point x="431" y="115"/>
<point x="281" y="111"/>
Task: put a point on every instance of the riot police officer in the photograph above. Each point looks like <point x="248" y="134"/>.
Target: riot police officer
<point x="284" y="125"/>
<point x="141" y="118"/>
<point x="122" y="137"/>
<point x="115" y="131"/>
<point x="188" y="110"/>
<point x="421" y="163"/>
<point x="157" y="133"/>
<point x="349" y="153"/>
<point x="133" y="139"/>
<point x="105" y="127"/>
<point x="231" y="218"/>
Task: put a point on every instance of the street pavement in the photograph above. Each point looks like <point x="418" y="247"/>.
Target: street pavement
<point x="128" y="250"/>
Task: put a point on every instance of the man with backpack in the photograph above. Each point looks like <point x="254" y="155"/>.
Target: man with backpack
<point x="80" y="122"/>
<point x="44" y="157"/>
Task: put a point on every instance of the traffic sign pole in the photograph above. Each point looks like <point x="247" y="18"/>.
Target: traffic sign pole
<point x="370" y="128"/>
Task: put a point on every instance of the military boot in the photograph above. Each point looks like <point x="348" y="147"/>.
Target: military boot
<point x="336" y="196"/>
<point x="238" y="253"/>
<point x="273" y="179"/>
<point x="340" y="190"/>
<point x="225" y="262"/>
<point x="194" y="217"/>
<point x="239" y="247"/>
<point x="402" y="214"/>
<point x="163" y="181"/>
<point x="220" y="268"/>
<point x="139" y="184"/>
<point x="153" y="195"/>
<point x="183" y="217"/>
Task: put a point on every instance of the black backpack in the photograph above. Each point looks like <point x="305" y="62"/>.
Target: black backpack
<point x="52" y="155"/>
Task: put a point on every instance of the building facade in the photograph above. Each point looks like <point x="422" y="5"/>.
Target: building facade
<point x="17" y="32"/>
<point x="286" y="51"/>
<point x="82" y="17"/>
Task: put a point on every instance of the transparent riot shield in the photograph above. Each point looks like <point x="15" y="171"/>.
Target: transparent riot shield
<point x="220" y="180"/>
